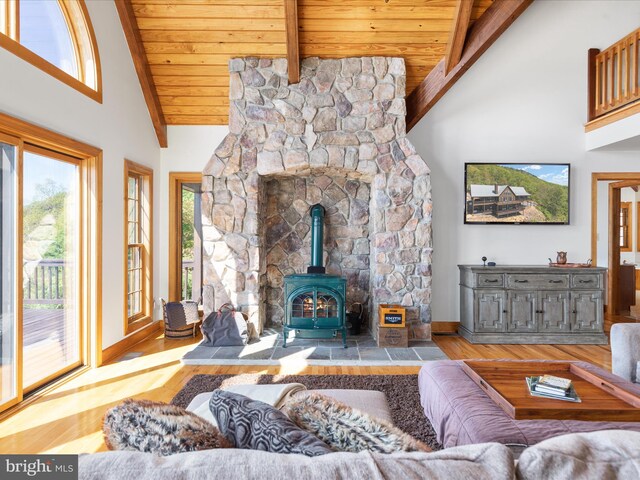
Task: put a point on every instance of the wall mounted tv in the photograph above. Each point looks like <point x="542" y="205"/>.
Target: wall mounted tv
<point x="517" y="193"/>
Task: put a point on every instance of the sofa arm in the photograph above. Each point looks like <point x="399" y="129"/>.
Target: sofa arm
<point x="625" y="350"/>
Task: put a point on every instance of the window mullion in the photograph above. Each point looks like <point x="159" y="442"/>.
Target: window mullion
<point x="9" y="19"/>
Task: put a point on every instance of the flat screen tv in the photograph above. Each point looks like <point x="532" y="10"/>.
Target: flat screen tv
<point x="517" y="193"/>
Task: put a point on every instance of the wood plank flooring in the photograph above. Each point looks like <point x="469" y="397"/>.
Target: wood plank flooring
<point x="67" y="419"/>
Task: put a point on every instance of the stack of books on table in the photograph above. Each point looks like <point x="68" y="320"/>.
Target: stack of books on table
<point x="549" y="386"/>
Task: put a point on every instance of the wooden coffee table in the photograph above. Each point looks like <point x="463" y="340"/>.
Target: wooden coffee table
<point x="504" y="382"/>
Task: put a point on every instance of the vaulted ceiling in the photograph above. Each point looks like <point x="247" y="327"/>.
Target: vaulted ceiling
<point x="186" y="44"/>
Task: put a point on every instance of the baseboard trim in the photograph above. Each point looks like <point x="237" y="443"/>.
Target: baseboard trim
<point x="444" y="327"/>
<point x="117" y="349"/>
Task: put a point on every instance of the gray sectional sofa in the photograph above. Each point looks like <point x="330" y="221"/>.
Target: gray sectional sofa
<point x="600" y="455"/>
<point x="605" y="455"/>
<point x="625" y="351"/>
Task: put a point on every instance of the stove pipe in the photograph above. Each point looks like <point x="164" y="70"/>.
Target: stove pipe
<point x="317" y="239"/>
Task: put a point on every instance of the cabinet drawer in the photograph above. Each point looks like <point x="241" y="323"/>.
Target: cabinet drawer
<point x="490" y="280"/>
<point x="585" y="280"/>
<point x="529" y="281"/>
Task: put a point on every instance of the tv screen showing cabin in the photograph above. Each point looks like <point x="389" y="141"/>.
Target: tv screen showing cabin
<point x="517" y="193"/>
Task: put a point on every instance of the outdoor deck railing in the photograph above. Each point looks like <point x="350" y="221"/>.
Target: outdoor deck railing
<point x="187" y="279"/>
<point x="613" y="76"/>
<point x="44" y="282"/>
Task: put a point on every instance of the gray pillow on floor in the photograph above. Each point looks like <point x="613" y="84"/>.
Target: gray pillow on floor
<point x="254" y="425"/>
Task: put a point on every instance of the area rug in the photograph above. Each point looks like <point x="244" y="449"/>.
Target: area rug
<point x="401" y="391"/>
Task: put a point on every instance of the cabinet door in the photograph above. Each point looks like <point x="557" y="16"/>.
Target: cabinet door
<point x="489" y="310"/>
<point x="554" y="311"/>
<point x="586" y="311"/>
<point x="522" y="311"/>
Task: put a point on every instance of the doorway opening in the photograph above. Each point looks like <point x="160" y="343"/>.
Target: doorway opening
<point x="185" y="236"/>
<point x="615" y="241"/>
<point x="50" y="238"/>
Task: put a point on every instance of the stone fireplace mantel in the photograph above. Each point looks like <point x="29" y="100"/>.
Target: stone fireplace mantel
<point x="337" y="138"/>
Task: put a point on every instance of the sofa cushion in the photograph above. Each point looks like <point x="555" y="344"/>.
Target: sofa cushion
<point x="346" y="429"/>
<point x="158" y="428"/>
<point x="625" y="350"/>
<point x="274" y="395"/>
<point x="255" y="425"/>
<point x="370" y="401"/>
<point x="477" y="462"/>
<point x="605" y="455"/>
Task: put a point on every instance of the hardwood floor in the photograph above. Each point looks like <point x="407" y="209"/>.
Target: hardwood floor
<point x="67" y="419"/>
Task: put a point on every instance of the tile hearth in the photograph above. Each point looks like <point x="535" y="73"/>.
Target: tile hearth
<point x="362" y="351"/>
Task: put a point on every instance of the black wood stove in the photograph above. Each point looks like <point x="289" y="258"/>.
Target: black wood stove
<point x="314" y="304"/>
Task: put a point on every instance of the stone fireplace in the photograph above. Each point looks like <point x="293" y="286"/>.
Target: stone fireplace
<point x="337" y="138"/>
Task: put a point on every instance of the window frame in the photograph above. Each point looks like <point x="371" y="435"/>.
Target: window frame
<point x="82" y="36"/>
<point x="625" y="228"/>
<point x="144" y="175"/>
<point x="176" y="180"/>
<point x="27" y="136"/>
<point x="637" y="227"/>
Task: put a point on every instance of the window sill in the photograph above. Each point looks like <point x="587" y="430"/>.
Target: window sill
<point x="137" y="324"/>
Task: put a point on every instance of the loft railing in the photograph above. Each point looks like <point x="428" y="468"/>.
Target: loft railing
<point x="44" y="283"/>
<point x="613" y="76"/>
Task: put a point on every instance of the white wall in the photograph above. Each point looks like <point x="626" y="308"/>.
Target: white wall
<point x="523" y="101"/>
<point x="602" y="238"/>
<point x="120" y="126"/>
<point x="628" y="195"/>
<point x="189" y="150"/>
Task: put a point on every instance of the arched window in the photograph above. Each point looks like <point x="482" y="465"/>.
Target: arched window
<point x="55" y="36"/>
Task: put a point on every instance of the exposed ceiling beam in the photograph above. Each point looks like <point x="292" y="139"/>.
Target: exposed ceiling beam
<point x="486" y="30"/>
<point x="293" y="49"/>
<point x="625" y="183"/>
<point x="458" y="34"/>
<point x="132" y="33"/>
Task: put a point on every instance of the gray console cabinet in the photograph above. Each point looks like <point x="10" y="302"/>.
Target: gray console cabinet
<point x="531" y="304"/>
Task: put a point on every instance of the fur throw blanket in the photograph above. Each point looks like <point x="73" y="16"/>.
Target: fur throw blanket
<point x="146" y="426"/>
<point x="346" y="429"/>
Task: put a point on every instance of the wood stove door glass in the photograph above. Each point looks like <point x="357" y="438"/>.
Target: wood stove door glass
<point x="319" y="306"/>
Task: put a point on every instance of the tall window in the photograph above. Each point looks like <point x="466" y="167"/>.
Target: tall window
<point x="625" y="224"/>
<point x="139" y="296"/>
<point x="55" y="36"/>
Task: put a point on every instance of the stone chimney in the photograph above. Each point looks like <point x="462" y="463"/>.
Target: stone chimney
<point x="337" y="138"/>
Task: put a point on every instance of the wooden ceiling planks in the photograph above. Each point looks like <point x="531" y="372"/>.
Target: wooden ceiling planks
<point x="418" y="31"/>
<point x="189" y="42"/>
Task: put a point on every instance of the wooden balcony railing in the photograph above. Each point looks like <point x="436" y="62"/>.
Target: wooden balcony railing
<point x="187" y="279"/>
<point x="613" y="76"/>
<point x="45" y="283"/>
